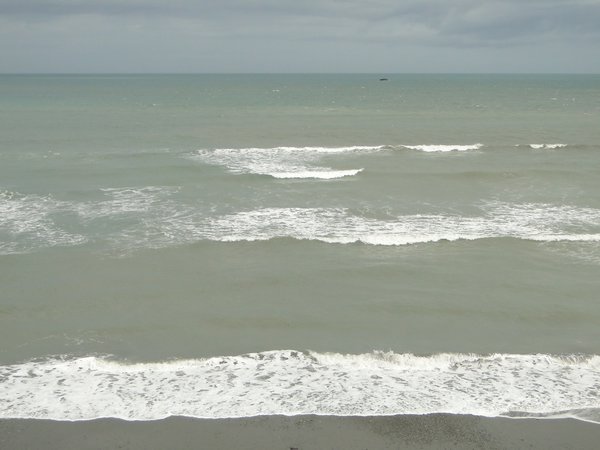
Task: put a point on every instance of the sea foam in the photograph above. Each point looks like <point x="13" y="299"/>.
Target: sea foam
<point x="26" y="223"/>
<point x="537" y="222"/>
<point x="291" y="382"/>
<point x="322" y="174"/>
<point x="127" y="219"/>
<point x="281" y="162"/>
<point x="302" y="162"/>
<point x="547" y="146"/>
<point x="444" y="147"/>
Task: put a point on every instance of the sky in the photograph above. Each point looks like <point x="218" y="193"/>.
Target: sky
<point x="299" y="36"/>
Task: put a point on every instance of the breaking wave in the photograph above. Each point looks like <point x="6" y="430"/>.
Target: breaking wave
<point x="302" y="162"/>
<point x="322" y="175"/>
<point x="444" y="147"/>
<point x="298" y="383"/>
<point x="281" y="162"/>
<point x="153" y="217"/>
<point x="527" y="221"/>
<point x="547" y="146"/>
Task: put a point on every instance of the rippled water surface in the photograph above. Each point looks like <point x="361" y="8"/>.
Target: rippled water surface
<point x="295" y="241"/>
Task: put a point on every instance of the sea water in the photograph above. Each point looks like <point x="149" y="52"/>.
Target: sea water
<point x="238" y="245"/>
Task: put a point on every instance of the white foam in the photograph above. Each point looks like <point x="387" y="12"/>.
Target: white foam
<point x="567" y="238"/>
<point x="127" y="219"/>
<point x="347" y="149"/>
<point x="321" y="175"/>
<point x="27" y="222"/>
<point x="141" y="217"/>
<point x="302" y="162"/>
<point x="444" y="147"/>
<point x="125" y="201"/>
<point x="294" y="383"/>
<point x="138" y="216"/>
<point x="547" y="146"/>
<point x="537" y="222"/>
<point x="281" y="162"/>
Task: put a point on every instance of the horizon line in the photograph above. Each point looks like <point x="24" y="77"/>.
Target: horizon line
<point x="298" y="73"/>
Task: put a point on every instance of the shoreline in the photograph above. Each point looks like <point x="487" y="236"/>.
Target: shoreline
<point x="434" y="431"/>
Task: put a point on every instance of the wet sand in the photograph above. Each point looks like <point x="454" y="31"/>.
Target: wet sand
<point x="437" y="431"/>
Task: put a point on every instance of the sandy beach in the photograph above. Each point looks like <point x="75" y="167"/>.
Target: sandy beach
<point x="437" y="431"/>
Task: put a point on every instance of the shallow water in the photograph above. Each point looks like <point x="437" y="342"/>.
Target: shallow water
<point x="164" y="218"/>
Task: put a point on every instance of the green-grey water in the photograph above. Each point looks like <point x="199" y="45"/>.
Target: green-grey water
<point x="158" y="218"/>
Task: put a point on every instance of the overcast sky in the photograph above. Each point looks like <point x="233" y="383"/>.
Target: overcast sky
<point x="380" y="36"/>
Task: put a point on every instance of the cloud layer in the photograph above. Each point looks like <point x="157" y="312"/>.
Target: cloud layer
<point x="299" y="35"/>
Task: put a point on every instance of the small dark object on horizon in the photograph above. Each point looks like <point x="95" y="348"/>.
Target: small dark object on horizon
<point x="383" y="79"/>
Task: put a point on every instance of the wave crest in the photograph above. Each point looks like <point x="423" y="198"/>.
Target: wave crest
<point x="444" y="147"/>
<point x="152" y="217"/>
<point x="546" y="146"/>
<point x="302" y="162"/>
<point x="281" y="162"/>
<point x="321" y="174"/>
<point x="527" y="221"/>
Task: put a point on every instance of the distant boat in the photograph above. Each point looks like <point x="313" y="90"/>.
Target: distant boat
<point x="383" y="79"/>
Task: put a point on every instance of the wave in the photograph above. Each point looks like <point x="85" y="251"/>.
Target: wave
<point x="118" y="202"/>
<point x="291" y="382"/>
<point x="547" y="146"/>
<point x="299" y="162"/>
<point x="351" y="148"/>
<point x="34" y="222"/>
<point x="128" y="219"/>
<point x="526" y="221"/>
<point x="444" y="147"/>
<point x="30" y="219"/>
<point x="322" y="175"/>
<point x="281" y="162"/>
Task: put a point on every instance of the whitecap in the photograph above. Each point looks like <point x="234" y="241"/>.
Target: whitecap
<point x="444" y="147"/>
<point x="302" y="162"/>
<point x="537" y="222"/>
<point x="130" y="218"/>
<point x="320" y="174"/>
<point x="281" y="162"/>
<point x="546" y="146"/>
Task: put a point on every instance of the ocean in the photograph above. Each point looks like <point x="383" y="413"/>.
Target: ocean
<point x="220" y="246"/>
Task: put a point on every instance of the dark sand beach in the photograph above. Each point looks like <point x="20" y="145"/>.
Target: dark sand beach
<point x="437" y="431"/>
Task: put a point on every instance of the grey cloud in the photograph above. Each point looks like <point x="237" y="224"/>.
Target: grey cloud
<point x="506" y="21"/>
<point x="296" y="30"/>
<point x="486" y="23"/>
<point x="52" y="8"/>
<point x="491" y="20"/>
<point x="445" y="22"/>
